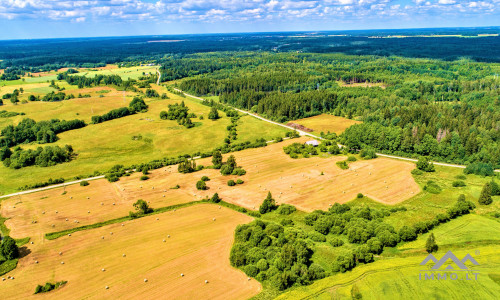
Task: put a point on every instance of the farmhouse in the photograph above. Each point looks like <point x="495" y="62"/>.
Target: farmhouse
<point x="313" y="143"/>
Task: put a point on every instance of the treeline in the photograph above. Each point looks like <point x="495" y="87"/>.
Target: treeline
<point x="136" y="105"/>
<point x="42" y="157"/>
<point x="42" y="132"/>
<point x="83" y="81"/>
<point x="179" y="112"/>
<point x="461" y="147"/>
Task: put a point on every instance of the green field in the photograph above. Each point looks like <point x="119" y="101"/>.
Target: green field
<point x="101" y="146"/>
<point x="398" y="278"/>
<point x="124" y="73"/>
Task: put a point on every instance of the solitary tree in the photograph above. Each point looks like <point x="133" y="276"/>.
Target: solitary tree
<point x="485" y="197"/>
<point x="268" y="205"/>
<point x="424" y="164"/>
<point x="9" y="248"/>
<point x="431" y="245"/>
<point x="214" y="114"/>
<point x="201" y="185"/>
<point x="141" y="208"/>
<point x="217" y="159"/>
<point x="215" y="198"/>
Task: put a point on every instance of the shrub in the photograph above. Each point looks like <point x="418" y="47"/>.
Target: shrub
<point x="49" y="287"/>
<point x="336" y="242"/>
<point x="205" y="178"/>
<point x="231" y="183"/>
<point x="317" y="237"/>
<point x="407" y="233"/>
<point x="359" y="196"/>
<point x="287" y="222"/>
<point x="144" y="177"/>
<point x="84" y="183"/>
<point x="351" y="158"/>
<point x="417" y="172"/>
<point x="239" y="181"/>
<point x="286" y="209"/>
<point x="495" y="188"/>
<point x="368" y="153"/>
<point x="432" y="187"/>
<point x="141" y="208"/>
<point x="201" y="185"/>
<point x="483" y="169"/>
<point x="425" y="165"/>
<point x="461" y="177"/>
<point x="175" y="187"/>
<point x="239" y="172"/>
<point x="458" y="183"/>
<point x="342" y="164"/>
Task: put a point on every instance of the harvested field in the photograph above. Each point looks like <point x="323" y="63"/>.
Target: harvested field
<point x="198" y="248"/>
<point x="325" y="123"/>
<point x="301" y="183"/>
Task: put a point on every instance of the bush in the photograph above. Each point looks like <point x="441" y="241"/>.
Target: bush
<point x="205" y="178"/>
<point x="483" y="169"/>
<point x="336" y="242"/>
<point x="458" y="183"/>
<point x="49" y="287"/>
<point x="407" y="233"/>
<point x="342" y="164"/>
<point x="144" y="177"/>
<point x="425" y="165"/>
<point x="351" y="158"/>
<point x="239" y="181"/>
<point x="359" y="196"/>
<point x="201" y="185"/>
<point x="231" y="183"/>
<point x="84" y="183"/>
<point x="317" y="237"/>
<point x="239" y="172"/>
<point x="461" y="177"/>
<point x="287" y="222"/>
<point x="417" y="172"/>
<point x="432" y="187"/>
<point x="286" y="209"/>
<point x="175" y="187"/>
<point x="368" y="153"/>
<point x="495" y="188"/>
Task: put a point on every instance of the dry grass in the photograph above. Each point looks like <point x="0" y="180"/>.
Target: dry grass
<point x="325" y="123"/>
<point x="198" y="247"/>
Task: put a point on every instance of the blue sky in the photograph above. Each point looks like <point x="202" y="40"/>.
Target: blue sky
<point x="27" y="19"/>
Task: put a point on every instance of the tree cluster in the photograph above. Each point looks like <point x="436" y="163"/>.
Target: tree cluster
<point x="42" y="157"/>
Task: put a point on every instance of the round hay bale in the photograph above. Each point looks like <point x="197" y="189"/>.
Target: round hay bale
<point x="62" y="263"/>
<point x="66" y="219"/>
<point x="31" y="243"/>
<point x="164" y="240"/>
<point x="168" y="236"/>
<point x="53" y="225"/>
<point x="113" y="203"/>
<point x="182" y="274"/>
<point x="157" y="219"/>
<point x="88" y="211"/>
<point x="71" y="197"/>
<point x="163" y="196"/>
<point x="102" y="203"/>
<point x="219" y="207"/>
<point x="88" y="198"/>
<point x="145" y="280"/>
<point x="69" y="234"/>
<point x="60" y="253"/>
<point x="214" y="219"/>
<point x="102" y="237"/>
<point x="206" y="281"/>
<point x="56" y="211"/>
<point x="123" y="225"/>
<point x="111" y="233"/>
<point x="43" y="213"/>
<point x="107" y="287"/>
<point x="36" y="261"/>
<point x="103" y="269"/>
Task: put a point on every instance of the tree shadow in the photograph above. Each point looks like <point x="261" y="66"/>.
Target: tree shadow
<point x="24" y="251"/>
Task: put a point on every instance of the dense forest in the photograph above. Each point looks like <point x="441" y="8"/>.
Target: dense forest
<point x="45" y="54"/>
<point x="448" y="110"/>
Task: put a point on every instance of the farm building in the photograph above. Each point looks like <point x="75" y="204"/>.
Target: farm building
<point x="313" y="143"/>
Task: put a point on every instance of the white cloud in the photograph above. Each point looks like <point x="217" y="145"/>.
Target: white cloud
<point x="235" y="10"/>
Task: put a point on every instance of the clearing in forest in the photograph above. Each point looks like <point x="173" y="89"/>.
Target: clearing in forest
<point x="325" y="123"/>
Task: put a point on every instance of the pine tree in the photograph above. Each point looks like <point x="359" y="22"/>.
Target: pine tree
<point x="431" y="245"/>
<point x="485" y="197"/>
<point x="268" y="205"/>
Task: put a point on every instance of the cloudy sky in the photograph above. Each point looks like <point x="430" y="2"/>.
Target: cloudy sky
<point x="75" y="18"/>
